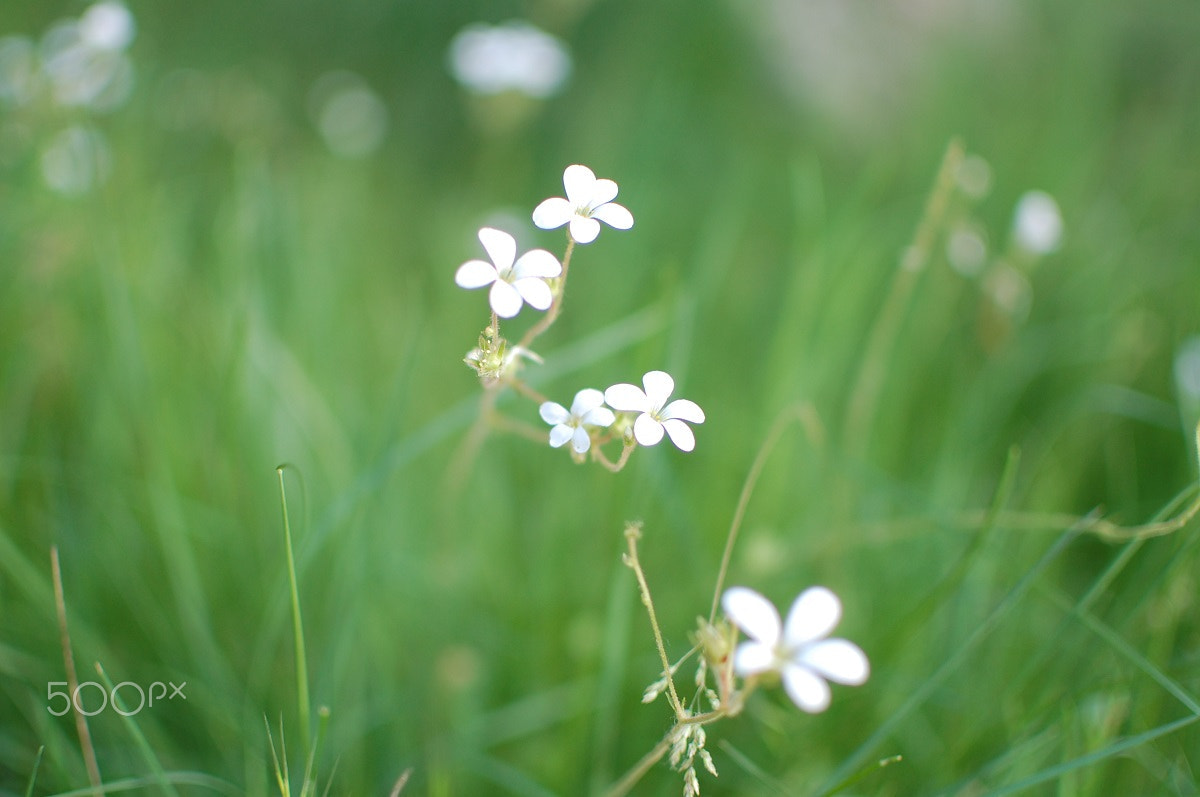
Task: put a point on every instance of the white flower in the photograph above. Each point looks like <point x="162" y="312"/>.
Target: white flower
<point x="586" y="410"/>
<point x="589" y="201"/>
<point x="797" y="650"/>
<point x="1037" y="223"/>
<point x="657" y="415"/>
<point x="512" y="282"/>
<point x="514" y="56"/>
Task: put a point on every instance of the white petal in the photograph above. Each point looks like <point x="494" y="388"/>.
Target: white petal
<point x="836" y="659"/>
<point x="585" y="401"/>
<point x="584" y="231"/>
<point x="806" y="689"/>
<point x="629" y="398"/>
<point x="812" y="616"/>
<point x="581" y="442"/>
<point x="599" y="416"/>
<point x="754" y="614"/>
<point x="603" y="192"/>
<point x="535" y="291"/>
<point x="553" y="412"/>
<point x="646" y="430"/>
<point x="614" y="215"/>
<point x="752" y="658"/>
<point x="680" y="433"/>
<point x="501" y="247"/>
<point x="560" y="434"/>
<point x="475" y="274"/>
<point x="553" y="212"/>
<point x="505" y="299"/>
<point x="659" y="385"/>
<point x="537" y="263"/>
<point x="684" y="410"/>
<point x="579" y="182"/>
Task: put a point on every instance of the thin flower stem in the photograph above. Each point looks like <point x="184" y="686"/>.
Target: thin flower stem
<point x="556" y="305"/>
<point x="468" y="450"/>
<point x="506" y="424"/>
<point x="609" y="465"/>
<point x="526" y="391"/>
<point x="798" y="412"/>
<point x="638" y="770"/>
<point x="864" y="398"/>
<point x="633" y="532"/>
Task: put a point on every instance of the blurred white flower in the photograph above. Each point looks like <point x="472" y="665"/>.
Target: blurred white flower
<point x="966" y="251"/>
<point x="350" y="116"/>
<point x="586" y="410"/>
<point x="657" y="416"/>
<point x="107" y="25"/>
<point x="75" y="160"/>
<point x="974" y="176"/>
<point x="84" y="62"/>
<point x="588" y="202"/>
<point x="1037" y="223"/>
<point x="512" y="282"/>
<point x="1010" y="290"/>
<point x="798" y="650"/>
<point x="514" y="56"/>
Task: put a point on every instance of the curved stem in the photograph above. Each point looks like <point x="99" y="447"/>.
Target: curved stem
<point x="556" y="305"/>
<point x="633" y="532"/>
<point x="798" y="412"/>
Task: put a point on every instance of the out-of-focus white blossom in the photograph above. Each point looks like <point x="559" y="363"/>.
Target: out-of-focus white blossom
<point x="974" y="176"/>
<point x="514" y="56"/>
<point x="966" y="251"/>
<point x="107" y="26"/>
<point x="76" y="160"/>
<point x="1037" y="223"/>
<point x="351" y="118"/>
<point x="83" y="59"/>
<point x="798" y="648"/>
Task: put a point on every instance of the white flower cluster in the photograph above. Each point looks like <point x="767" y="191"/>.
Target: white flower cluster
<point x="79" y="64"/>
<point x="654" y="415"/>
<point x="536" y="278"/>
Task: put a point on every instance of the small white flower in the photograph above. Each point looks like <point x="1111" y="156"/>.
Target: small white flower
<point x="589" y="201"/>
<point x="797" y="650"/>
<point x="657" y="415"/>
<point x="586" y="410"/>
<point x="512" y="282"/>
<point x="1037" y="223"/>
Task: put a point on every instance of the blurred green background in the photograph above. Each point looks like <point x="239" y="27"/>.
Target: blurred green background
<point x="207" y="272"/>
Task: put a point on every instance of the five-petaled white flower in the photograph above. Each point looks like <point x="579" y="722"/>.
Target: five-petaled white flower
<point x="512" y="282"/>
<point x="657" y="415"/>
<point x="589" y="201"/>
<point x="586" y="410"/>
<point x="798" y="649"/>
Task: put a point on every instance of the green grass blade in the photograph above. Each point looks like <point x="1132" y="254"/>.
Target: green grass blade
<point x="302" y="700"/>
<point x="143" y="746"/>
<point x="37" y="762"/>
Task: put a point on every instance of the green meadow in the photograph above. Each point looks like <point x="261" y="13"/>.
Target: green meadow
<point x="229" y="325"/>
